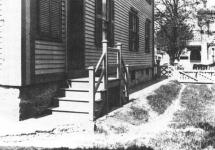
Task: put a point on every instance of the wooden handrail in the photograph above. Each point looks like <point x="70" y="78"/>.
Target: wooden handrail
<point x="113" y="49"/>
<point x="122" y="74"/>
<point x="99" y="81"/>
<point x="100" y="62"/>
<point x="123" y="79"/>
<point x="124" y="67"/>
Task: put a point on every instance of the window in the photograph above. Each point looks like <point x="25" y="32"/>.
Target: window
<point x="109" y="26"/>
<point x="49" y="19"/>
<point x="184" y="58"/>
<point x="149" y="2"/>
<point x="133" y="30"/>
<point x="147" y="35"/>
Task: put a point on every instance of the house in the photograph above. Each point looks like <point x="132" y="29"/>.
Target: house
<point x="162" y="57"/>
<point x="47" y="45"/>
<point x="202" y="47"/>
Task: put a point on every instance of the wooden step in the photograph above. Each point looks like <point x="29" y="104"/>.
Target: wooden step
<point x="82" y="88"/>
<point x="71" y="100"/>
<point x="74" y="106"/>
<point x="68" y="110"/>
<point x="75" y="100"/>
<point x="86" y="79"/>
<point x="80" y="94"/>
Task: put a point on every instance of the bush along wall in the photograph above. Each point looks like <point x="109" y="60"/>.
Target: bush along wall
<point x="164" y="96"/>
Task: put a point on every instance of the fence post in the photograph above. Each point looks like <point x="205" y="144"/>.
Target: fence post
<point x="158" y="68"/>
<point x="91" y="70"/>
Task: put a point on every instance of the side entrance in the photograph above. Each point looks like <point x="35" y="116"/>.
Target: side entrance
<point x="75" y="39"/>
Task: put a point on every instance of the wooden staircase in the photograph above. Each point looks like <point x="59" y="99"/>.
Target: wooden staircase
<point x="88" y="97"/>
<point x="76" y="97"/>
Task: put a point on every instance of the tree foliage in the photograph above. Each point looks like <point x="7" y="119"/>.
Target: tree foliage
<point x="173" y="26"/>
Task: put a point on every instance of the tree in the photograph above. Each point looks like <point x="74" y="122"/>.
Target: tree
<point x="172" y="25"/>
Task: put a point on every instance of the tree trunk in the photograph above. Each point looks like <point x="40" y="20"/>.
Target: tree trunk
<point x="171" y="60"/>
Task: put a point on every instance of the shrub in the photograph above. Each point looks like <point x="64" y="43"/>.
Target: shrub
<point x="163" y="96"/>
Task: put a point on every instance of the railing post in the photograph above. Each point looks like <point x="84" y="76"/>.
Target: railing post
<point x="119" y="60"/>
<point x="105" y="68"/>
<point x="119" y="69"/>
<point x="128" y="82"/>
<point x="91" y="92"/>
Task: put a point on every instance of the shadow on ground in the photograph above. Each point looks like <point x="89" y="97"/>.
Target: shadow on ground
<point x="209" y="137"/>
<point x="144" y="85"/>
<point x="34" y="148"/>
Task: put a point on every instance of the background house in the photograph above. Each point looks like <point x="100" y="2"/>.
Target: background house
<point x="46" y="42"/>
<point x="202" y="46"/>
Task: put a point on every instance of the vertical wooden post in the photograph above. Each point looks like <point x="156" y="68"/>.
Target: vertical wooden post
<point x="119" y="60"/>
<point x="104" y="49"/>
<point x="105" y="68"/>
<point x="104" y="20"/>
<point x="128" y="81"/>
<point x="91" y="92"/>
<point x="119" y="71"/>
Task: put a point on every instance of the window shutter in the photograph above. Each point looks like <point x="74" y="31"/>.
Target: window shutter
<point x="44" y="18"/>
<point x="56" y="21"/>
<point x="49" y="19"/>
<point x="147" y="36"/>
<point x="98" y="23"/>
<point x="130" y="30"/>
<point x="137" y="34"/>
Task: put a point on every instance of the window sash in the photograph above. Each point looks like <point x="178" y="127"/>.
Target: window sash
<point x="133" y="30"/>
<point x="147" y="35"/>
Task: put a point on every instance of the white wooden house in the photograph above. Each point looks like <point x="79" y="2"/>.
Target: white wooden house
<point x="45" y="44"/>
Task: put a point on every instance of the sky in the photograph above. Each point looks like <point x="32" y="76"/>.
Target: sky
<point x="211" y="3"/>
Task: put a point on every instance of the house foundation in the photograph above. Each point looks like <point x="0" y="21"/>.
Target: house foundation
<point x="22" y="103"/>
<point x="140" y="75"/>
<point x="10" y="101"/>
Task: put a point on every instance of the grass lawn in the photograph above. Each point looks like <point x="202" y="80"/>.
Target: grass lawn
<point x="164" y="96"/>
<point x="193" y="125"/>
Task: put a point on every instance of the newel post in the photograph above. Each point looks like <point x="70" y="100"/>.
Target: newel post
<point x="119" y="67"/>
<point x="105" y="68"/>
<point x="91" y="70"/>
<point x="119" y="60"/>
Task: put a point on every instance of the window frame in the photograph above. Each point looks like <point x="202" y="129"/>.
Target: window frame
<point x="147" y="36"/>
<point x="133" y="30"/>
<point x="49" y="36"/>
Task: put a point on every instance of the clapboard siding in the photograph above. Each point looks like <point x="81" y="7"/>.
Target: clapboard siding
<point x="92" y="53"/>
<point x="50" y="57"/>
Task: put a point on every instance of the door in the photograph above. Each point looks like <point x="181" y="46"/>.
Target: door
<point x="75" y="36"/>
